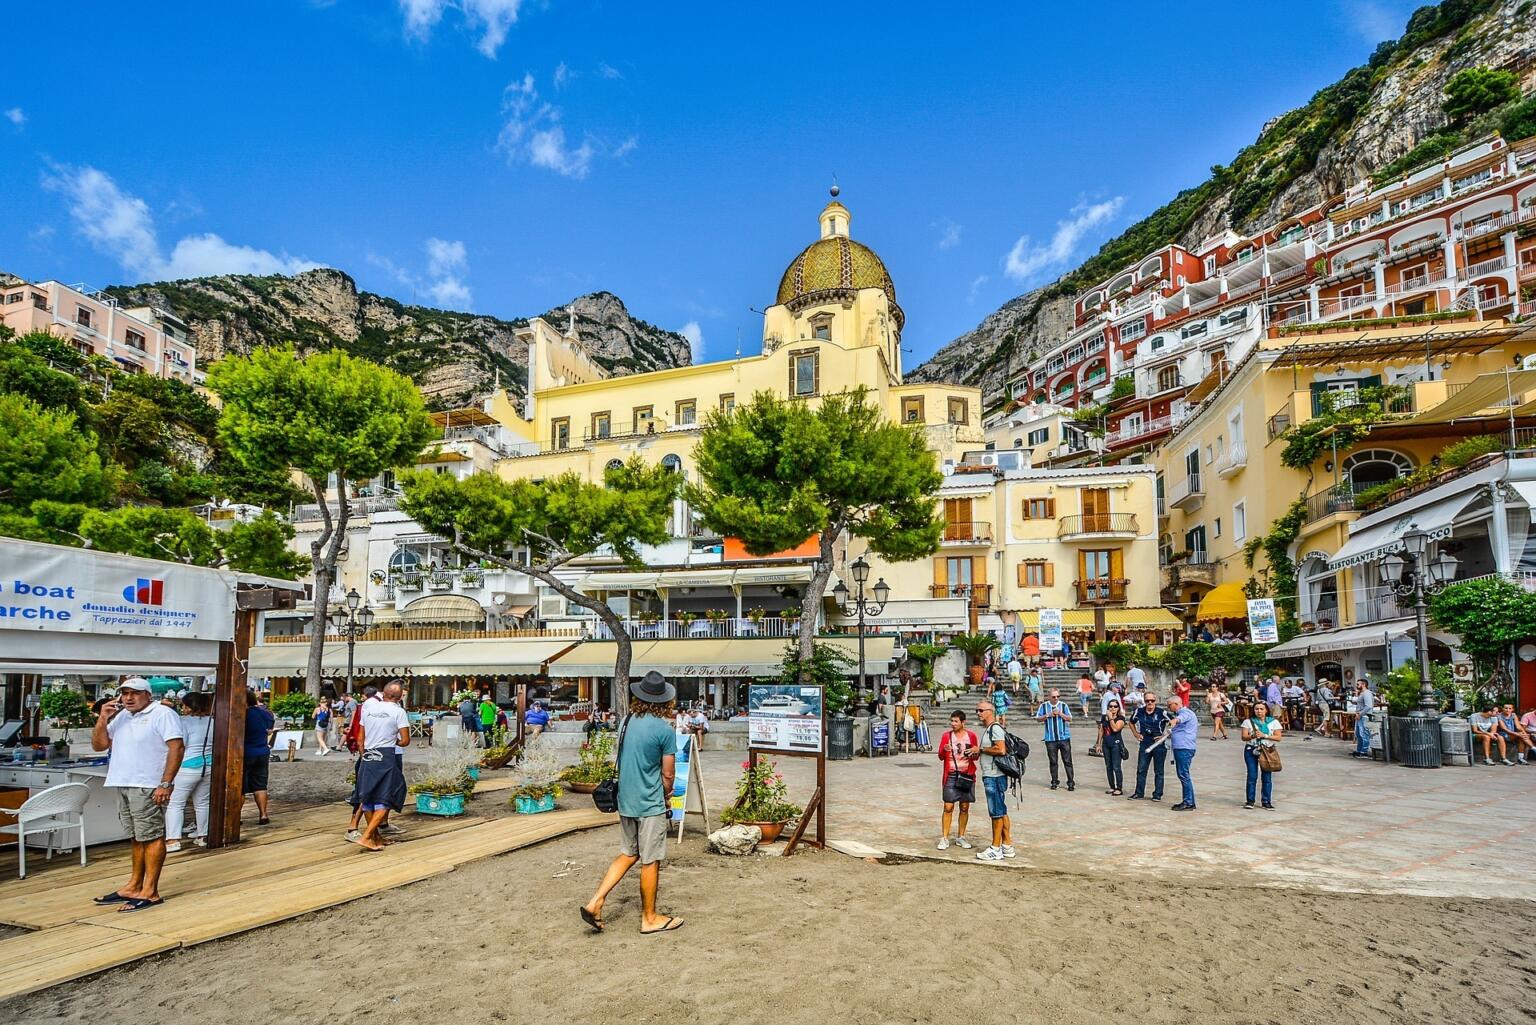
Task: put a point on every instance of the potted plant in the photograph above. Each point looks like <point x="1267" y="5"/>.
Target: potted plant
<point x="791" y="615"/>
<point x="446" y="779"/>
<point x="596" y="765"/>
<point x="757" y="614"/>
<point x="472" y="577"/>
<point x="976" y="647"/>
<point x="761" y="800"/>
<point x="536" y="780"/>
<point x="687" y="618"/>
<point x="716" y="615"/>
<point x="408" y="582"/>
<point x="439" y="580"/>
<point x="650" y="617"/>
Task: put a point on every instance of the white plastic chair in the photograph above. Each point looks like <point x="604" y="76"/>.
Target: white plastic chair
<point x="60" y="807"/>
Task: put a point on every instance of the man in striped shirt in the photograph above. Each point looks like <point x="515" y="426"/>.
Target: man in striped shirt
<point x="1057" y="717"/>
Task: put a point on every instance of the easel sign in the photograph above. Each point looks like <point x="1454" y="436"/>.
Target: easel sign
<point x="791" y="719"/>
<point x="687" y="785"/>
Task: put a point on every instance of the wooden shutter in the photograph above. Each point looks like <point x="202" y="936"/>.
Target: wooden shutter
<point x="1117" y="563"/>
<point x="1082" y="565"/>
<point x="1050" y="574"/>
<point x="1024" y="575"/>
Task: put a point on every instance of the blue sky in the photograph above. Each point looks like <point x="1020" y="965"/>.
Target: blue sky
<point x="504" y="156"/>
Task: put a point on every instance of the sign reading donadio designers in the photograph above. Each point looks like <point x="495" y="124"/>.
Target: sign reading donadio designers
<point x="784" y="717"/>
<point x="68" y="590"/>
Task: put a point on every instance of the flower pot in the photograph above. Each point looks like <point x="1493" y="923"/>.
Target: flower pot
<point x="473" y="771"/>
<point x="534" y="805"/>
<point x="432" y="804"/>
<point x="977" y="674"/>
<point x="581" y="788"/>
<point x="771" y="830"/>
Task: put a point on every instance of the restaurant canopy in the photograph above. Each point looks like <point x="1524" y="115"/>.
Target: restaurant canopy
<point x="491" y="656"/>
<point x="1347" y="638"/>
<point x="1224" y="601"/>
<point x="1114" y="619"/>
<point x="712" y="656"/>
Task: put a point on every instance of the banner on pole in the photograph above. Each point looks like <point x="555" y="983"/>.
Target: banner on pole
<point x="1050" y="630"/>
<point x="1262" y="626"/>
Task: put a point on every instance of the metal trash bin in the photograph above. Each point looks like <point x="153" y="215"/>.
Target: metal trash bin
<point x="1455" y="740"/>
<point x="840" y="738"/>
<point x="1416" y="741"/>
<point x="879" y="736"/>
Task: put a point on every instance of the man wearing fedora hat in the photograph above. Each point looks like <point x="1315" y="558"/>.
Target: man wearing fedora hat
<point x="647" y="761"/>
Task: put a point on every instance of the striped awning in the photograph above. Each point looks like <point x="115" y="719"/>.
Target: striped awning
<point x="711" y="656"/>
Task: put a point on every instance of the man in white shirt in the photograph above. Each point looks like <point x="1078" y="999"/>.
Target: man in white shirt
<point x="1135" y="697"/>
<point x="380" y="777"/>
<point x="146" y="742"/>
<point x="1135" y="677"/>
<point x="1362" y="702"/>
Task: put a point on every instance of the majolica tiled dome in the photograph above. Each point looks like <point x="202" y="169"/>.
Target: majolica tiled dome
<point x="834" y="263"/>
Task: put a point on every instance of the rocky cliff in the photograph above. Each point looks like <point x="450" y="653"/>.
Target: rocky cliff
<point x="453" y="357"/>
<point x="1375" y="115"/>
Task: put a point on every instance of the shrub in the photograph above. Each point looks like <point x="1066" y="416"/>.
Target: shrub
<point x="761" y="796"/>
<point x="1520" y="121"/>
<point x="1474" y="91"/>
<point x="596" y="763"/>
<point x="1463" y="452"/>
<point x="67" y="708"/>
<point x="295" y="705"/>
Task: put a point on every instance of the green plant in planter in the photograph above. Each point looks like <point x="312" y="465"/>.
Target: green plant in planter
<point x="761" y="796"/>
<point x="446" y="771"/>
<point x="649" y="616"/>
<point x="757" y="614"/>
<point x="975" y="646"/>
<point x="596" y="765"/>
<point x="537" y="774"/>
<point x="67" y="708"/>
<point x="716" y="615"/>
<point x="295" y="705"/>
<point x="790" y="613"/>
<point x="687" y="618"/>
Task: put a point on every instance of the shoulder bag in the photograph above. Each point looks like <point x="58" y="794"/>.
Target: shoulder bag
<point x="606" y="794"/>
<point x="1268" y="753"/>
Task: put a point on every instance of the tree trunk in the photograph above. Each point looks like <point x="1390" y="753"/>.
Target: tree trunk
<point x="324" y="551"/>
<point x="810" y="602"/>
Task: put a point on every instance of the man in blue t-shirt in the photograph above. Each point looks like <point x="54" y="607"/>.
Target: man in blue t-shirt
<point x="1148" y="724"/>
<point x="647" y="762"/>
<point x="259" y="723"/>
<point x="1182" y="735"/>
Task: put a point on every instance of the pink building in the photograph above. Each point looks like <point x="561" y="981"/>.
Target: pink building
<point x="142" y="340"/>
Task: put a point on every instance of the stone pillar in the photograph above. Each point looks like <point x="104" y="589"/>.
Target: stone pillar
<point x="1314" y="307"/>
<point x="1449" y="248"/>
<point x="1379" y="272"/>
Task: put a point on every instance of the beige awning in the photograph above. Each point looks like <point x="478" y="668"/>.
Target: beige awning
<point x="701" y="577"/>
<point x="1486" y="391"/>
<point x="442" y="608"/>
<point x="711" y="656"/>
<point x="491" y="656"/>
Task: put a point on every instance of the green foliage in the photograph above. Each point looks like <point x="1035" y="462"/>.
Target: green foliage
<point x="151" y="532"/>
<point x="43" y="454"/>
<point x="1488" y="615"/>
<point x="261" y="546"/>
<point x="69" y="709"/>
<point x="829" y="668"/>
<point x="1430" y="150"/>
<point x="24" y="370"/>
<point x="1473" y="91"/>
<point x="320" y="414"/>
<point x="761" y="796"/>
<point x="1452" y="457"/>
<point x="1125" y="386"/>
<point x="1401" y="690"/>
<point x="1338" y="428"/>
<point x="597" y="763"/>
<point x="295" y="706"/>
<point x="1520" y="121"/>
<point x="1280" y="569"/>
<point x="1459" y="454"/>
<point x="1196" y="659"/>
<point x="975" y="645"/>
<point x="925" y="655"/>
<point x="1116" y="653"/>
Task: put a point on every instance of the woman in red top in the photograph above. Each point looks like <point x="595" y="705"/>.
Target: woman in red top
<point x="959" y="751"/>
<point x="1181" y="690"/>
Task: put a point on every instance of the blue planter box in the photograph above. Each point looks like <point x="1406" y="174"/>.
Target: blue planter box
<point x="474" y="772"/>
<point x="431" y="804"/>
<point x="532" y="806"/>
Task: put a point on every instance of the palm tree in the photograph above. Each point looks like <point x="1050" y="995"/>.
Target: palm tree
<point x="976" y="647"/>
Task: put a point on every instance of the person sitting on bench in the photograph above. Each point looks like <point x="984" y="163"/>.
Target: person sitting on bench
<point x="1511" y="728"/>
<point x="1485" y="727"/>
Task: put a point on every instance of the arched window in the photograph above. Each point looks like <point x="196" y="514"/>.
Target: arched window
<point x="1374" y="466"/>
<point x="615" y="464"/>
<point x="671" y="463"/>
<point x="404" y="560"/>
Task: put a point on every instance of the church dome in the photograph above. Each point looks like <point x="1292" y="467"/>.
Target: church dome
<point x="832" y="264"/>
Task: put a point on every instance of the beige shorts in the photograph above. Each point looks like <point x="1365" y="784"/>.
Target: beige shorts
<point x="644" y="838"/>
<point x="141" y="816"/>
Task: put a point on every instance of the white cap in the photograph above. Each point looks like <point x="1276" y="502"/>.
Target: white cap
<point x="134" y="683"/>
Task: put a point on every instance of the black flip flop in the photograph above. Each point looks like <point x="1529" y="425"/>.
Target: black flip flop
<point x="591" y="920"/>
<point x="672" y="926"/>
<point x="111" y="898"/>
<point x="139" y="904"/>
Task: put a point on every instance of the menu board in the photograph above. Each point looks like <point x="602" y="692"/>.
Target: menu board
<point x="784" y="717"/>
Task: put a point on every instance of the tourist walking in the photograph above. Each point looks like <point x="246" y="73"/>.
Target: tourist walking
<point x="1015" y="673"/>
<point x="1135" y="677"/>
<point x="994" y="744"/>
<point x="958" y="751"/>
<point x="469" y="717"/>
<point x="194" y="779"/>
<point x="145" y="742"/>
<point x="647" y="763"/>
<point x="1085" y="691"/>
<point x="1261" y="732"/>
<point x="1295" y="697"/>
<point x="1034" y="686"/>
<point x="488" y="712"/>
<point x="1326" y="700"/>
<point x="323" y="726"/>
<point x="1000" y="705"/>
<point x="1216" y="701"/>
<point x="1183" y="733"/>
<point x="1149" y="725"/>
<point x="380" y="769"/>
<point x="1362" y="704"/>
<point x="352" y="740"/>
<point x="1057" y="719"/>
<point x="259" y="723"/>
<point x="1112" y="743"/>
<point x="1030" y="648"/>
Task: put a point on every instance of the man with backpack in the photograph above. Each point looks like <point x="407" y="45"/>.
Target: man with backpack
<point x="994" y="746"/>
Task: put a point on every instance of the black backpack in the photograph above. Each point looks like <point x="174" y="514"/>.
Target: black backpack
<point x="1011" y="764"/>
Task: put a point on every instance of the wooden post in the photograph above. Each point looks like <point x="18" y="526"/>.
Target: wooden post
<point x="522" y="709"/>
<point x="229" y="733"/>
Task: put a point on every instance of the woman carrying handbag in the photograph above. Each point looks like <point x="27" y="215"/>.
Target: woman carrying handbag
<point x="1261" y="732"/>
<point x="958" y="750"/>
<point x="1112" y="743"/>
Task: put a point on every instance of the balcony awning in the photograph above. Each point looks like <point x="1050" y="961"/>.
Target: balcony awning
<point x="1224" y="601"/>
<point x="1482" y="392"/>
<point x="713" y="656"/>
<point x="442" y="608"/>
<point x="1347" y="638"/>
<point x="1114" y="619"/>
<point x="1386" y="536"/>
<point x="491" y="656"/>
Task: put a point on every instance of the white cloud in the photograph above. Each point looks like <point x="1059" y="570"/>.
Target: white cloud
<point x="695" y="336"/>
<point x="949" y="233"/>
<point x="1379" y="20"/>
<point x="608" y="70"/>
<point x="491" y="18"/>
<point x="121" y="225"/>
<point x="444" y="258"/>
<point x="16" y="116"/>
<point x="976" y="284"/>
<point x="443" y="283"/>
<point x="562" y="75"/>
<point x="531" y="132"/>
<point x="1026" y="260"/>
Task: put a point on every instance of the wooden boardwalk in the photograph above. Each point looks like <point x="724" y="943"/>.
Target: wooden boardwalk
<point x="301" y="865"/>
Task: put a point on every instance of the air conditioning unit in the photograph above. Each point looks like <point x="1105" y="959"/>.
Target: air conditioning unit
<point x="551" y="606"/>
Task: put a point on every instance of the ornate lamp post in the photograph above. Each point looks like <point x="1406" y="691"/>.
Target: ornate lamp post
<point x="352" y="624"/>
<point x="1413" y="574"/>
<point x="882" y="594"/>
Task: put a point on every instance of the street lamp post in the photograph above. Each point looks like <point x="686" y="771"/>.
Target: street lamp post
<point x="882" y="594"/>
<point x="1413" y="575"/>
<point x="353" y="624"/>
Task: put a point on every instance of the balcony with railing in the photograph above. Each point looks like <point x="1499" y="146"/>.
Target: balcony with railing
<point x="1188" y="568"/>
<point x="967" y="532"/>
<point x="657" y="629"/>
<point x="1491" y="224"/>
<point x="1097" y="525"/>
<point x="622" y="429"/>
<point x="1133" y="430"/>
<point x="1187" y="493"/>
<point x="979" y="595"/>
<point x="1340" y="498"/>
<point x="1102" y="591"/>
<point x="1482" y="267"/>
<point x="1233" y="462"/>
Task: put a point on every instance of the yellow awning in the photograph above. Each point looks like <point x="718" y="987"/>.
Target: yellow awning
<point x="711" y="656"/>
<point x="1114" y="619"/>
<point x="1225" y="601"/>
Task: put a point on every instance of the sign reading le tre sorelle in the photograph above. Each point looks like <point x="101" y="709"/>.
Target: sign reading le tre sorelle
<point x="67" y="590"/>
